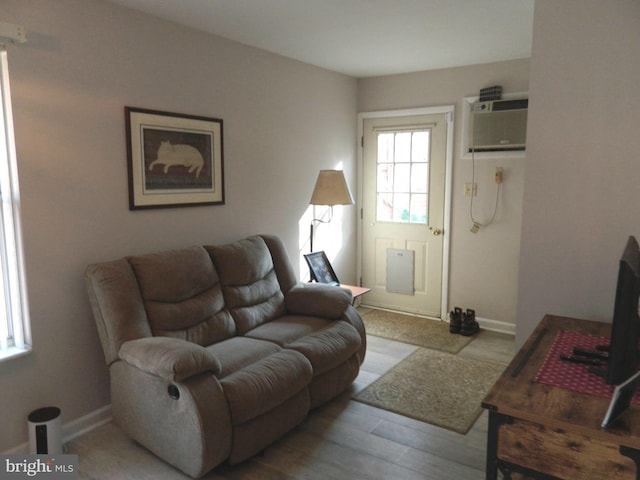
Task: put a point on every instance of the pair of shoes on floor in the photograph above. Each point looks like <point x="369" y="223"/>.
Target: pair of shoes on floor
<point x="463" y="323"/>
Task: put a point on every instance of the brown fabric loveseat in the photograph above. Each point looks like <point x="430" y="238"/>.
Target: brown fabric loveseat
<point x="215" y="352"/>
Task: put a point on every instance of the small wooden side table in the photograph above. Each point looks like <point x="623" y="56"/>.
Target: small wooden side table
<point x="356" y="291"/>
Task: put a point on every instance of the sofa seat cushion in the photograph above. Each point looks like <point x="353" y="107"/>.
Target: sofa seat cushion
<point x="329" y="347"/>
<point x="239" y="352"/>
<point x="287" y="329"/>
<point x="265" y="384"/>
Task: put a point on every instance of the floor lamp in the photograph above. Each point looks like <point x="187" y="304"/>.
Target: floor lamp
<point x="331" y="189"/>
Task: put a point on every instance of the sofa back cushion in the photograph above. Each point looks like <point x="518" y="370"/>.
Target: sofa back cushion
<point x="286" y="276"/>
<point x="182" y="295"/>
<point x="249" y="282"/>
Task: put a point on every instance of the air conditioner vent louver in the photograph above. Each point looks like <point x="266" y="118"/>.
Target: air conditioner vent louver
<point x="519" y="104"/>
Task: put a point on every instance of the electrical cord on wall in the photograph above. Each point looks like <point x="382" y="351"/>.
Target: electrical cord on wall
<point x="476" y="224"/>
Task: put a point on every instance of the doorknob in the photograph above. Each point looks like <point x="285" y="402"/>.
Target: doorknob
<point x="435" y="231"/>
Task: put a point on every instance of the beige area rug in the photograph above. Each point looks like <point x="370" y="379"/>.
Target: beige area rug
<point x="434" y="387"/>
<point x="414" y="330"/>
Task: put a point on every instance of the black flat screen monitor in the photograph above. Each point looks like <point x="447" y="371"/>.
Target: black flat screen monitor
<point x="625" y="328"/>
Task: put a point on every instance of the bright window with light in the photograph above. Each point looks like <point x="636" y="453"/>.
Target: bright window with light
<point x="15" y="334"/>
<point x="403" y="177"/>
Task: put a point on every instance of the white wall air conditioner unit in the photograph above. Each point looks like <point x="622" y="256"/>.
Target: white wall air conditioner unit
<point x="498" y="125"/>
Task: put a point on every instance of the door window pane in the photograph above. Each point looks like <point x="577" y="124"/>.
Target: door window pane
<point x="418" y="208"/>
<point x="385" y="207"/>
<point x="420" y="147"/>
<point x="385" y="177"/>
<point x="402" y="178"/>
<point x="401" y="207"/>
<point x="420" y="177"/>
<point x="403" y="147"/>
<point x="385" y="147"/>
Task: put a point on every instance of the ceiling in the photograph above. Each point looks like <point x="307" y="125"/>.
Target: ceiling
<point x="363" y="38"/>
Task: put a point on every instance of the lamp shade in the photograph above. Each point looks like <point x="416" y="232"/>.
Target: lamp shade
<point x="331" y="189"/>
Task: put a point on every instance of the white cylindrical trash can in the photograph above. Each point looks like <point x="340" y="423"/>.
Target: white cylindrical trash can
<point x="45" y="432"/>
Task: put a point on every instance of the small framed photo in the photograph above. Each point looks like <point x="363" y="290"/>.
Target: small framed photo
<point x="321" y="269"/>
<point x="174" y="160"/>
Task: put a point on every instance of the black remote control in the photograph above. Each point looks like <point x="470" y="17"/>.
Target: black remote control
<point x="585" y="352"/>
<point x="585" y="360"/>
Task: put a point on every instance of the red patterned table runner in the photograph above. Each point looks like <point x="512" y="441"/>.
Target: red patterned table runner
<point x="575" y="376"/>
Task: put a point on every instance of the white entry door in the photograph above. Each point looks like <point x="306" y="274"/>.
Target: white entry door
<point x="404" y="171"/>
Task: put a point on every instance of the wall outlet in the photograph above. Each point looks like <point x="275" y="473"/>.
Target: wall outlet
<point x="470" y="189"/>
<point x="498" y="176"/>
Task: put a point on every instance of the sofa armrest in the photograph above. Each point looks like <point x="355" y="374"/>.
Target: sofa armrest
<point x="169" y="358"/>
<point x="318" y="300"/>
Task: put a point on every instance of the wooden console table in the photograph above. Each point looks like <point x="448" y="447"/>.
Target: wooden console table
<point x="544" y="432"/>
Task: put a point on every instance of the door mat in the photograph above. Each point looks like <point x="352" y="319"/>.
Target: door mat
<point x="434" y="387"/>
<point x="414" y="330"/>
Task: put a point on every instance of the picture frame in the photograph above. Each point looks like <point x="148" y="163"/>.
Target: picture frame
<point x="174" y="160"/>
<point x="320" y="268"/>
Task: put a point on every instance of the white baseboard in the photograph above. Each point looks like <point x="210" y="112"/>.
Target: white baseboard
<point x="85" y="424"/>
<point x="73" y="429"/>
<point x="497" y="326"/>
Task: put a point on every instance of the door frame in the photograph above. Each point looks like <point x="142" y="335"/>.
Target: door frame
<point x="449" y="111"/>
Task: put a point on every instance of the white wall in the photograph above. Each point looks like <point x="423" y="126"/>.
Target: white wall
<point x="84" y="61"/>
<point x="582" y="183"/>
<point x="484" y="266"/>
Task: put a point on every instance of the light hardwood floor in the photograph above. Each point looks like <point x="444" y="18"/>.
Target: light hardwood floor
<point x="344" y="439"/>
